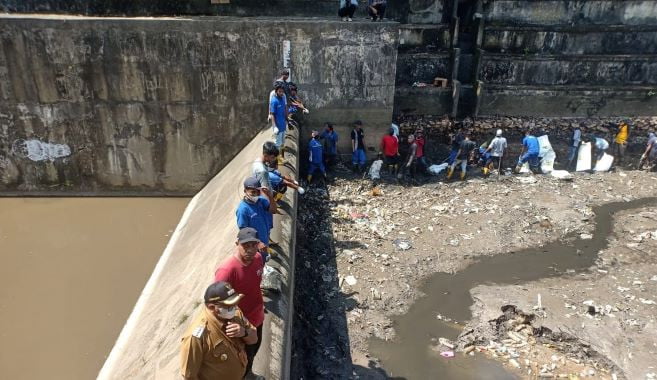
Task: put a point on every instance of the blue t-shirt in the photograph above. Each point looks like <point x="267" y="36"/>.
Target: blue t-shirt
<point x="531" y="143"/>
<point x="275" y="178"/>
<point x="331" y="139"/>
<point x="255" y="215"/>
<point x="316" y="151"/>
<point x="291" y="108"/>
<point x="277" y="107"/>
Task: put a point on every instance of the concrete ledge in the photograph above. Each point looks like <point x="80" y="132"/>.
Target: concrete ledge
<point x="148" y="345"/>
<point x="569" y="69"/>
<point x="549" y="39"/>
<point x="568" y="101"/>
<point x="629" y="12"/>
<point x="424" y="36"/>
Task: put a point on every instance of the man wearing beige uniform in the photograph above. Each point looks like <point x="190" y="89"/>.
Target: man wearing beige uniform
<point x="213" y="345"/>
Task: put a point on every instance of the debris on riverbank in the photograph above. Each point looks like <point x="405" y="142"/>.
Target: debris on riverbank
<point x="371" y="250"/>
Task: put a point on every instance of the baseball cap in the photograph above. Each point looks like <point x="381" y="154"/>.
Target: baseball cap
<point x="252" y="183"/>
<point x="222" y="292"/>
<point x="246" y="235"/>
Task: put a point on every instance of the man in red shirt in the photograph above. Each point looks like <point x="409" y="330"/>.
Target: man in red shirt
<point x="243" y="271"/>
<point x="390" y="149"/>
<point x="419" y="153"/>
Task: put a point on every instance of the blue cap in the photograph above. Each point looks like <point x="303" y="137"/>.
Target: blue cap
<point x="251" y="183"/>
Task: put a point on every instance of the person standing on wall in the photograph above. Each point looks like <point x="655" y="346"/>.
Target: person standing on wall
<point x="620" y="142"/>
<point x="376" y="9"/>
<point x="347" y="9"/>
<point x="213" y="347"/>
<point x="243" y="271"/>
<point x="278" y="115"/>
<point x="330" y="139"/>
<point x="255" y="211"/>
<point x="573" y="149"/>
<point x="358" y="156"/>
<point x="260" y="171"/>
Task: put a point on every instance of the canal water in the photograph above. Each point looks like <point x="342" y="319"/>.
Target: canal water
<point x="72" y="269"/>
<point x="410" y="356"/>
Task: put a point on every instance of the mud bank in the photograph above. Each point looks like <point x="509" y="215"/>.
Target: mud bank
<point x="450" y="295"/>
<point x="607" y="313"/>
<point x="385" y="246"/>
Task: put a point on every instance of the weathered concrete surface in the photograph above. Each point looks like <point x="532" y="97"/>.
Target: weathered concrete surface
<point x="161" y="105"/>
<point x="597" y="70"/>
<point x="423" y="101"/>
<point x="597" y="39"/>
<point x="149" y="343"/>
<point x="173" y="7"/>
<point x="422" y="67"/>
<point x="424" y="36"/>
<point x="568" y="101"/>
<point x="630" y="12"/>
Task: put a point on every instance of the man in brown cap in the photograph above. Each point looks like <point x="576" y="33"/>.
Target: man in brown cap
<point x="213" y="345"/>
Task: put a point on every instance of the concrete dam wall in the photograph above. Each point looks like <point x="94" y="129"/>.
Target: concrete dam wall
<point x="158" y="106"/>
<point x="556" y="58"/>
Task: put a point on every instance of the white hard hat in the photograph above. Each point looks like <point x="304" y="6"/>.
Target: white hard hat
<point x="499" y="132"/>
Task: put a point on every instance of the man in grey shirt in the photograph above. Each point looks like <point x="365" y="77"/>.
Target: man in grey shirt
<point x="497" y="148"/>
<point x="260" y="171"/>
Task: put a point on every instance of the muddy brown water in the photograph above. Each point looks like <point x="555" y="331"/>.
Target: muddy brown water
<point x="410" y="354"/>
<point x="72" y="269"/>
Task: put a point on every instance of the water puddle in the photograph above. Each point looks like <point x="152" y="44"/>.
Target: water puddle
<point x="410" y="354"/>
<point x="72" y="269"/>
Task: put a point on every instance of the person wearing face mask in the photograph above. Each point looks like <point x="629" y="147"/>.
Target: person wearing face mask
<point x="260" y="170"/>
<point x="255" y="211"/>
<point x="243" y="271"/>
<point x="213" y="347"/>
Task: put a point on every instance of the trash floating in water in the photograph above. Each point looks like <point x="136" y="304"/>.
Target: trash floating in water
<point x="447" y="354"/>
<point x="446" y="342"/>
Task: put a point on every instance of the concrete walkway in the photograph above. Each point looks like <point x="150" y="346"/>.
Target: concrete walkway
<point x="148" y="346"/>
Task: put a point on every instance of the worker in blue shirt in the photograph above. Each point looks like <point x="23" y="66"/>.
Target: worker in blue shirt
<point x="278" y="116"/>
<point x="255" y="211"/>
<point x="530" y="150"/>
<point x="316" y="157"/>
<point x="330" y="138"/>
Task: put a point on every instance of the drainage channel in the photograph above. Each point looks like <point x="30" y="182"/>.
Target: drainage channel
<point x="72" y="269"/>
<point x="410" y="354"/>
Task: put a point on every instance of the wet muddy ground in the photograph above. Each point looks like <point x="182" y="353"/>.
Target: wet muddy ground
<point x="72" y="269"/>
<point x="365" y="255"/>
